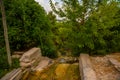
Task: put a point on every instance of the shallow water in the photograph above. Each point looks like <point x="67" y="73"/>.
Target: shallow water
<point x="57" y="71"/>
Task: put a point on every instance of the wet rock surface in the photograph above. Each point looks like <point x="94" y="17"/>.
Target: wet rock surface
<point x="57" y="71"/>
<point x="70" y="60"/>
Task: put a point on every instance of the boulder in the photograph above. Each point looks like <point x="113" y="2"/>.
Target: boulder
<point x="86" y="70"/>
<point x="30" y="58"/>
<point x="30" y="55"/>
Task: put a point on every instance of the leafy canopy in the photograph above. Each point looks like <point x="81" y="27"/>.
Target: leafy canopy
<point x="93" y="23"/>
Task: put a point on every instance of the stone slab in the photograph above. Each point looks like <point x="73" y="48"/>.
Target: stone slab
<point x="86" y="70"/>
<point x="30" y="55"/>
<point x="12" y="75"/>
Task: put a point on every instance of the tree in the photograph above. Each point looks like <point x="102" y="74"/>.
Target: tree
<point x="5" y="33"/>
<point x="92" y="21"/>
<point x="51" y="17"/>
<point x="28" y="26"/>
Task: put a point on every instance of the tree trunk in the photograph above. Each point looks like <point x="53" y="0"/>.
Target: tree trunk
<point x="5" y="32"/>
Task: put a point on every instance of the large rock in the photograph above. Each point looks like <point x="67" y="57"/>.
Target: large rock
<point x="15" y="74"/>
<point x="86" y="70"/>
<point x="31" y="55"/>
<point x="30" y="58"/>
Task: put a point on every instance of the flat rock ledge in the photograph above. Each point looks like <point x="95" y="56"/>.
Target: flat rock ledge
<point x="86" y="69"/>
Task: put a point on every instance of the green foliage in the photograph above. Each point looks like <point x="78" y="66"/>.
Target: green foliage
<point x="94" y="25"/>
<point x="28" y="26"/>
<point x="4" y="67"/>
<point x="51" y="17"/>
<point x="3" y="58"/>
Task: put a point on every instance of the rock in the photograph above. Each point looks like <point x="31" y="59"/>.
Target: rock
<point x="30" y="58"/>
<point x="70" y="60"/>
<point x="31" y="55"/>
<point x="115" y="63"/>
<point x="62" y="60"/>
<point x="13" y="75"/>
<point x="16" y="56"/>
<point x="26" y="65"/>
<point x="44" y="63"/>
<point x="18" y="53"/>
<point x="86" y="70"/>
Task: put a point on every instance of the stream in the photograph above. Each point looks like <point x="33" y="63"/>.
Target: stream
<point x="57" y="71"/>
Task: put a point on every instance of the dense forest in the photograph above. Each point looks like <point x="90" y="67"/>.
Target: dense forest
<point x="86" y="26"/>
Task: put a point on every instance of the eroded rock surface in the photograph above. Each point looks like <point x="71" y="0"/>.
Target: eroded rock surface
<point x="104" y="69"/>
<point x="30" y="58"/>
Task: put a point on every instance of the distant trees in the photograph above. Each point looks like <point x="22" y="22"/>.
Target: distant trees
<point x="93" y="23"/>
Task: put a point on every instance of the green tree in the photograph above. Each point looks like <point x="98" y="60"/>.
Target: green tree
<point x="92" y="22"/>
<point x="51" y="17"/>
<point x="28" y="26"/>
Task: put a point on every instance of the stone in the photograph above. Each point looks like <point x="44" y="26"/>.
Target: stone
<point x="18" y="53"/>
<point x="115" y="63"/>
<point x="13" y="75"/>
<point x="30" y="55"/>
<point x="25" y="65"/>
<point x="30" y="58"/>
<point x="16" y="56"/>
<point x="44" y="63"/>
<point x="86" y="69"/>
<point x="62" y="60"/>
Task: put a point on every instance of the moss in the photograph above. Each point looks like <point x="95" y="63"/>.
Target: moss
<point x="61" y="71"/>
<point x="49" y="73"/>
<point x="57" y="72"/>
<point x="72" y="72"/>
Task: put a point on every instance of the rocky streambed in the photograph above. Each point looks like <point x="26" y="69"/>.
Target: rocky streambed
<point x="104" y="69"/>
<point x="36" y="67"/>
<point x="60" y="70"/>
